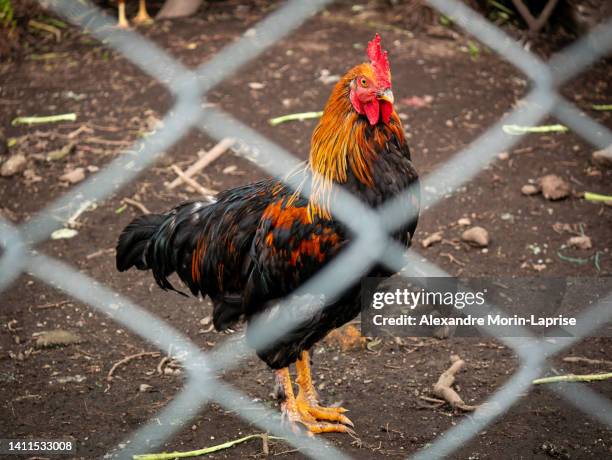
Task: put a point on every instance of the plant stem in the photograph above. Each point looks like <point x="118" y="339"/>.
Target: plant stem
<point x="47" y="119"/>
<point x="573" y="378"/>
<point x="294" y="116"/>
<point x="590" y="196"/>
<point x="204" y="451"/>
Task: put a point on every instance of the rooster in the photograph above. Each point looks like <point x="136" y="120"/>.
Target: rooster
<point x="259" y="242"/>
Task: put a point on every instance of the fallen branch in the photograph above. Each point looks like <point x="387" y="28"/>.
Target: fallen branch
<point x="205" y="451"/>
<point x="203" y="161"/>
<point x="442" y="387"/>
<point x="573" y="378"/>
<point x="602" y="107"/>
<point x="127" y="359"/>
<point x="192" y="183"/>
<point x="47" y="119"/>
<point x="137" y="204"/>
<point x="294" y="117"/>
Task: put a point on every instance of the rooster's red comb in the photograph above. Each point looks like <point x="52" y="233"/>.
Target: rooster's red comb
<point x="378" y="60"/>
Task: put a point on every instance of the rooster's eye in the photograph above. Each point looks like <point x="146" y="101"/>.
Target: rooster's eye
<point x="364" y="82"/>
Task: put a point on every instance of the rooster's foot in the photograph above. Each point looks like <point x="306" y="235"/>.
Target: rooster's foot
<point x="310" y="418"/>
<point x="331" y="414"/>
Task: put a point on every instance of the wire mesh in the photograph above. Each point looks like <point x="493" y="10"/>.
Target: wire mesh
<point x="371" y="242"/>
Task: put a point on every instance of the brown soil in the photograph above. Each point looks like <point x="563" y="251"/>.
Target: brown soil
<point x="381" y="387"/>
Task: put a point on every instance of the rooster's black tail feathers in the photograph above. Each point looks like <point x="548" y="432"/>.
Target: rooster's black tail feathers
<point x="134" y="241"/>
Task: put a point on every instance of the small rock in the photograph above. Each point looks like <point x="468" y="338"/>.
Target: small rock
<point x="503" y="156"/>
<point x="476" y="236"/>
<point x="539" y="267"/>
<point x="464" y="222"/>
<point x="431" y="239"/>
<point x="603" y="157"/>
<point x="64" y="233"/>
<point x="71" y="379"/>
<point x="206" y="320"/>
<point x="580" y="242"/>
<point x="529" y="189"/>
<point x="256" y="85"/>
<point x="170" y="371"/>
<point x="57" y="338"/>
<point x="73" y="177"/>
<point x="14" y="165"/>
<point x="31" y="176"/>
<point x="553" y="187"/>
<point x="144" y="388"/>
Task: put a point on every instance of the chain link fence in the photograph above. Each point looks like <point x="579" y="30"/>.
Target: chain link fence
<point x="371" y="243"/>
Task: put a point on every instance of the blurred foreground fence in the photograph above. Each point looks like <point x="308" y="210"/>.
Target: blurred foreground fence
<point x="371" y="243"/>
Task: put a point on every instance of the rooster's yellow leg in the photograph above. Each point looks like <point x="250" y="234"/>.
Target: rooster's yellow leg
<point x="143" y="17"/>
<point x="293" y="414"/>
<point x="123" y="22"/>
<point x="308" y="400"/>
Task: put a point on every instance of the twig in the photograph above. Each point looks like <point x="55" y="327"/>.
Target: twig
<point x="72" y="221"/>
<point x="206" y="450"/>
<point x="46" y="28"/>
<point x="52" y="305"/>
<point x="137" y="204"/>
<point x="99" y="140"/>
<point x="127" y="359"/>
<point x="202" y="162"/>
<point x="285" y="452"/>
<point x="581" y="359"/>
<point x="294" y="117"/>
<point x="47" y="119"/>
<point x="162" y="363"/>
<point x="573" y="378"/>
<point x="98" y="253"/>
<point x="442" y="387"/>
<point x="192" y="183"/>
<point x="435" y="401"/>
<point x="452" y="258"/>
<point x="535" y="24"/>
<point x="264" y="444"/>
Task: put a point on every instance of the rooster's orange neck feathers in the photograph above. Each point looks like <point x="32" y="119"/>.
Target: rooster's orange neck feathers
<point x="343" y="143"/>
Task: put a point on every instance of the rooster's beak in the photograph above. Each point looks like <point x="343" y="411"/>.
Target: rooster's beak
<point x="386" y="95"/>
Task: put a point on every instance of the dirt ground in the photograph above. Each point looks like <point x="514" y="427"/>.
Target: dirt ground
<point x="116" y="103"/>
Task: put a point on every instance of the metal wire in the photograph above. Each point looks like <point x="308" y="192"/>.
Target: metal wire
<point x="371" y="243"/>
